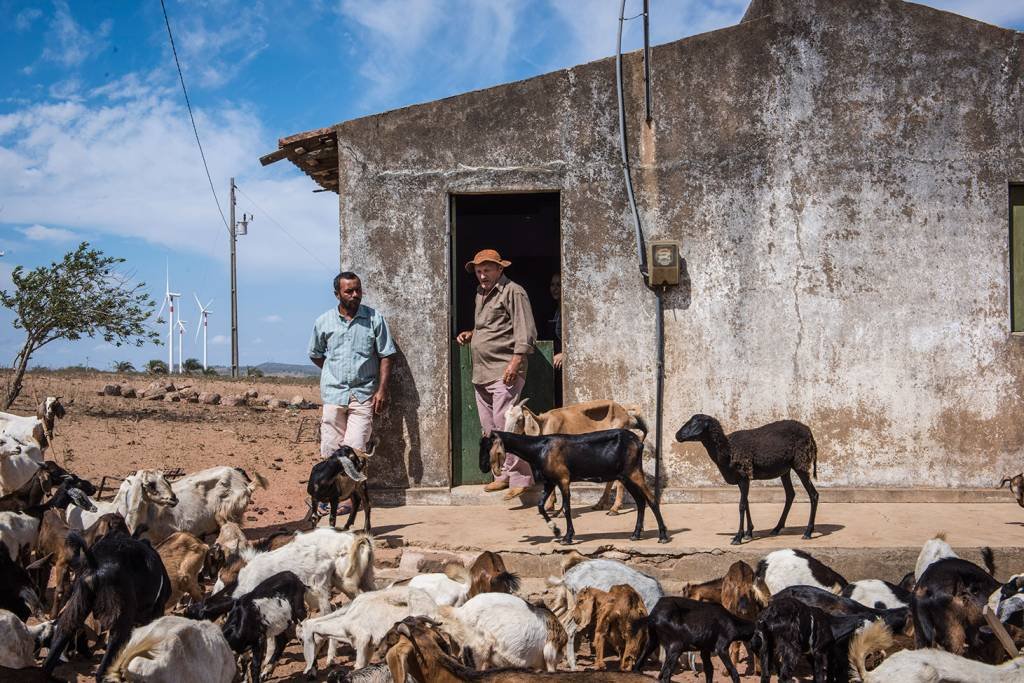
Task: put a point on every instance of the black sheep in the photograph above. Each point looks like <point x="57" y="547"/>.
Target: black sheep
<point x="680" y="625"/>
<point x="787" y="634"/>
<point x="336" y="478"/>
<point x="559" y="459"/>
<point x="763" y="453"/>
<point x="270" y="610"/>
<point x="122" y="582"/>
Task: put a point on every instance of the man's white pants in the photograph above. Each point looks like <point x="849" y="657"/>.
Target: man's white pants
<point x="350" y="425"/>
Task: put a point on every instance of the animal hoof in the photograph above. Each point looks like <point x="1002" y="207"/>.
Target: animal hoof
<point x="565" y="540"/>
<point x="736" y="540"/>
<point x="749" y="535"/>
<point x="635" y="537"/>
<point x="807" y="534"/>
<point x="662" y="539"/>
<point x="775" y="532"/>
<point x="612" y="512"/>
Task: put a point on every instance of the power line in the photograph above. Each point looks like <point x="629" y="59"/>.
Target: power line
<point x="192" y="117"/>
<point x="282" y="229"/>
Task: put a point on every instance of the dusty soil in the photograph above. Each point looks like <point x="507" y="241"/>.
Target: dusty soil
<point x="104" y="436"/>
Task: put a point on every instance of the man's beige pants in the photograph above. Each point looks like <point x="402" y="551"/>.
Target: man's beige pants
<point x="350" y="425"/>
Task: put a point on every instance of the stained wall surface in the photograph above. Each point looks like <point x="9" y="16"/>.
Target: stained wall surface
<point x="837" y="173"/>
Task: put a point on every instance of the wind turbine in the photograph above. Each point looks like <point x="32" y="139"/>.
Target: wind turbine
<point x="181" y="343"/>
<point x="204" y="311"/>
<point x="169" y="303"/>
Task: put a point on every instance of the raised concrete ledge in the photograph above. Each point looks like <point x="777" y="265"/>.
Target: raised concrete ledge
<point x="587" y="494"/>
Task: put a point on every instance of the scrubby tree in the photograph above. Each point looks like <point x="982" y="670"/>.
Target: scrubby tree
<point x="210" y="372"/>
<point x="192" y="365"/>
<point x="80" y="296"/>
<point x="156" y="367"/>
<point x="123" y="366"/>
<point x="253" y="372"/>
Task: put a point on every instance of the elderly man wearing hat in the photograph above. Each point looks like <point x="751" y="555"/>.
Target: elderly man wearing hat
<point x="503" y="335"/>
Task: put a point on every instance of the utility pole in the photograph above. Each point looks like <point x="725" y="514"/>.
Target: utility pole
<point x="234" y="286"/>
<point x="239" y="228"/>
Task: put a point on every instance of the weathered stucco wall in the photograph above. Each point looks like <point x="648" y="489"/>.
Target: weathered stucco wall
<point x="837" y="172"/>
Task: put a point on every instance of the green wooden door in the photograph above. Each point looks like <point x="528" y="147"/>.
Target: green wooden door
<point x="1017" y="268"/>
<point x="540" y="389"/>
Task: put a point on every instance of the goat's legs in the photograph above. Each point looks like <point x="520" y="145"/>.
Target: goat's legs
<point x="787" y="485"/>
<point x="649" y="647"/>
<point x="641" y="506"/>
<point x="334" y="512"/>
<point x="549" y="486"/>
<point x="118" y="635"/>
<point x="353" y="503"/>
<point x="642" y="494"/>
<point x="744" y="485"/>
<point x="259" y="653"/>
<point x="812" y="493"/>
<point x="563" y="488"/>
<point x="619" y="495"/>
<point x="671" y="659"/>
<point x="724" y="655"/>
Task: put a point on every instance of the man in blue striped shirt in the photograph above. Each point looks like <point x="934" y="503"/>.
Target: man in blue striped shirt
<point x="352" y="346"/>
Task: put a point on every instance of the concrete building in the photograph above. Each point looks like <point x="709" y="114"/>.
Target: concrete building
<point x="840" y="174"/>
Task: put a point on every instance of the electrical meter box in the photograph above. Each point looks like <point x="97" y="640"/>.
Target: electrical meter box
<point x="663" y="262"/>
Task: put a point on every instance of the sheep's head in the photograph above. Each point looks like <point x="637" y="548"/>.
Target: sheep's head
<point x="492" y="453"/>
<point x="156" y="489"/>
<point x="694" y="428"/>
<point x="1016" y="487"/>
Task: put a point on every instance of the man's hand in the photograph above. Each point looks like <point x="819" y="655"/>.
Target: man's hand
<point x="464" y="337"/>
<point x="380" y="401"/>
<point x="557" y="361"/>
<point x="512" y="370"/>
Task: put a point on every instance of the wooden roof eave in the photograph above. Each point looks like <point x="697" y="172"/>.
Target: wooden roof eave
<point x="314" y="152"/>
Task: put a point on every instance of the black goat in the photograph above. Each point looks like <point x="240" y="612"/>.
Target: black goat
<point x="17" y="589"/>
<point x="681" y="624"/>
<point x="559" y="459"/>
<point x="40" y="484"/>
<point x="121" y="582"/>
<point x="763" y="453"/>
<point x="270" y="610"/>
<point x="336" y="478"/>
<point x="789" y="633"/>
<point x="947" y="606"/>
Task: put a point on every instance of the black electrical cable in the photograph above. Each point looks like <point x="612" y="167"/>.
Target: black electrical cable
<point x="640" y="244"/>
<point x="192" y="117"/>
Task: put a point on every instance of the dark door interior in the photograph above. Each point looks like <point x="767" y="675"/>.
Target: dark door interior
<point x="525" y="230"/>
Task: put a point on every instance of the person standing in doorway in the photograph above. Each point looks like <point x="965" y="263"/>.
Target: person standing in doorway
<point x="352" y="346"/>
<point x="503" y="336"/>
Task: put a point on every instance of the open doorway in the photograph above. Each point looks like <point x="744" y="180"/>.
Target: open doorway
<point x="526" y="230"/>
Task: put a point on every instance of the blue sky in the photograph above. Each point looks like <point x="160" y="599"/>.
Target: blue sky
<point x="95" y="141"/>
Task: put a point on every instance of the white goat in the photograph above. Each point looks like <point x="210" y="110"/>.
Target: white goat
<point x="603" y="574"/>
<point x="18" y="532"/>
<point x="362" y="623"/>
<point x="444" y="589"/>
<point x="322" y="558"/>
<point x="205" y="500"/>
<point x="784" y="568"/>
<point x="932" y="551"/>
<point x="38" y="428"/>
<point x="877" y="594"/>
<point x="18" y="462"/>
<point x="505" y="630"/>
<point x="172" y="649"/>
<point x="922" y="666"/>
<point x="138" y="492"/>
<point x="18" y="642"/>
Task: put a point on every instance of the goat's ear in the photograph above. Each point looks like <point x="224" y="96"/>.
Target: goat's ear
<point x="583" y="613"/>
<point x="397" y="659"/>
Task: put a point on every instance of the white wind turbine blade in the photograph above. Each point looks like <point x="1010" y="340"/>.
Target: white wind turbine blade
<point x="200" y="327"/>
<point x="163" y="305"/>
<point x="196" y="297"/>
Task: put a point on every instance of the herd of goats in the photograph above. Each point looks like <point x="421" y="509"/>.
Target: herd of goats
<point x="129" y="576"/>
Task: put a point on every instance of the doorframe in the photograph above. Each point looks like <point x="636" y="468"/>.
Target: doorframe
<point x="450" y="195"/>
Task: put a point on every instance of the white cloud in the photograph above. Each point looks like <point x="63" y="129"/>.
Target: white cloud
<point x="68" y="43"/>
<point x="273" y="318"/>
<point x="998" y="12"/>
<point x="26" y="18"/>
<point x="405" y="43"/>
<point x="215" y="56"/>
<point x="219" y="340"/>
<point x="123" y="162"/>
<point x="41" y="233"/>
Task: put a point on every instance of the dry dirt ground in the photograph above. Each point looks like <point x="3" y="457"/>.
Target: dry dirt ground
<point x="104" y="436"/>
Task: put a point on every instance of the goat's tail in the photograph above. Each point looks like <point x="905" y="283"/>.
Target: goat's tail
<point x="638" y="422"/>
<point x="142" y="644"/>
<point x="989" y="559"/>
<point x="359" y="562"/>
<point x="258" y="481"/>
<point x="873" y="637"/>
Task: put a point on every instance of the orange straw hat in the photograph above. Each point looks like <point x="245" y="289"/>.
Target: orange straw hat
<point x="485" y="255"/>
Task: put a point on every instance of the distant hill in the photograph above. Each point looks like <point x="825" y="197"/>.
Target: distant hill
<point x="288" y="370"/>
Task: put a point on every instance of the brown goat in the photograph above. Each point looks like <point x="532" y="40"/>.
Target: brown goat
<point x="183" y="556"/>
<point x="107" y="523"/>
<point x="53" y="555"/>
<point x="1016" y="487"/>
<point x="708" y="591"/>
<point x="609" y="616"/>
<point x="416" y="647"/>
<point x="488" y="575"/>
<point x="735" y="592"/>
